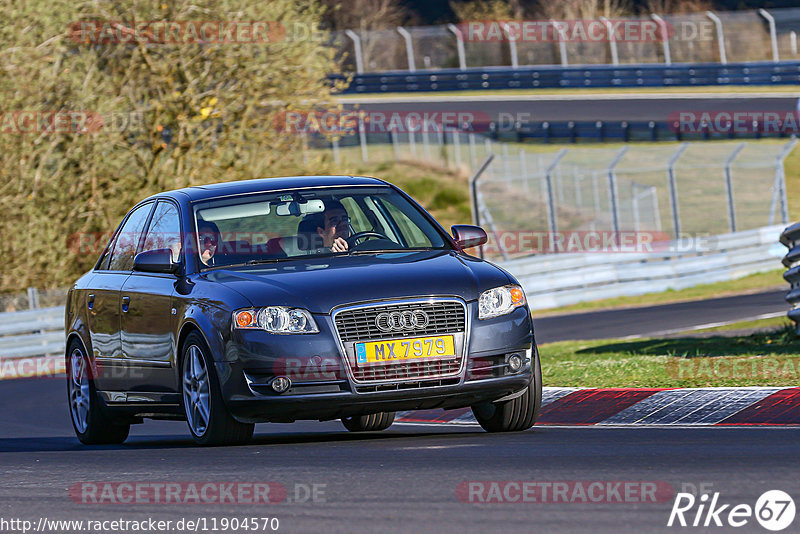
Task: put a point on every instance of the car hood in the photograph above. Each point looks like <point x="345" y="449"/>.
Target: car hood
<point x="320" y="284"/>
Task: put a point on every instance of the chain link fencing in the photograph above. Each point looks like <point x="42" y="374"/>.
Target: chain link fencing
<point x="716" y="37"/>
<point x="668" y="191"/>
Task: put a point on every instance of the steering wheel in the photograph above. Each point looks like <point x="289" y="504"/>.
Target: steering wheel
<point x="351" y="241"/>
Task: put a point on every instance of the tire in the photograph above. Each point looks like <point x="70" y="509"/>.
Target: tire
<point x="209" y="420"/>
<point x="369" y="423"/>
<point x="517" y="414"/>
<point x="92" y="424"/>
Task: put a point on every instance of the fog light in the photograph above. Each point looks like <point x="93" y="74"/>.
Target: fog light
<point x="514" y="363"/>
<point x="280" y="384"/>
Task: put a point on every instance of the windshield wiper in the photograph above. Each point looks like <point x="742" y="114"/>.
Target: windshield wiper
<point x="398" y="250"/>
<point x="268" y="260"/>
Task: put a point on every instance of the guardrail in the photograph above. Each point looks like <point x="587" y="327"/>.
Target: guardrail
<point x="30" y="334"/>
<point x="558" y="77"/>
<point x="791" y="239"/>
<point x="554" y="280"/>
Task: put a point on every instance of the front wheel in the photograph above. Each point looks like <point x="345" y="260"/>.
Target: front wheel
<point x="92" y="425"/>
<point x="369" y="423"/>
<point x="516" y="414"/>
<point x="209" y="420"/>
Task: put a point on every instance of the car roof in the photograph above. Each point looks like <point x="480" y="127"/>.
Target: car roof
<point x="266" y="185"/>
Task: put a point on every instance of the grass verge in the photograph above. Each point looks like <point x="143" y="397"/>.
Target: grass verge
<point x="769" y="358"/>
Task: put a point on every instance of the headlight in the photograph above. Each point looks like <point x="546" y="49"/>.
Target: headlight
<point x="500" y="301"/>
<point x="276" y="320"/>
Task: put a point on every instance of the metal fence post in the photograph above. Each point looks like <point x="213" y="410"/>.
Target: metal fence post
<point x="409" y="48"/>
<point x="412" y="142"/>
<point x="612" y="189"/>
<point x="552" y="222"/>
<point x="562" y="45"/>
<point x="457" y="146"/>
<point x="395" y="146"/>
<point x="664" y="38"/>
<point x="772" y="33"/>
<point x="723" y="57"/>
<point x="523" y="170"/>
<point x="426" y="146"/>
<point x="729" y="185"/>
<point x="612" y="40"/>
<point x="793" y="42"/>
<point x="473" y="181"/>
<point x="673" y="189"/>
<point x="335" y="147"/>
<point x="362" y="137"/>
<point x="462" y="56"/>
<point x="506" y="170"/>
<point x="473" y="153"/>
<point x="359" y="53"/>
<point x="781" y="179"/>
<point x="512" y="46"/>
<point x="33" y="298"/>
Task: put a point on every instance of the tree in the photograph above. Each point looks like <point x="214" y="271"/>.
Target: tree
<point x="161" y="114"/>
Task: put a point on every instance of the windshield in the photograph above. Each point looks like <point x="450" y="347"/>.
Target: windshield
<point x="304" y="223"/>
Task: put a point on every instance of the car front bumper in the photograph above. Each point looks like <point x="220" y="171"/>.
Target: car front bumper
<point x="327" y="392"/>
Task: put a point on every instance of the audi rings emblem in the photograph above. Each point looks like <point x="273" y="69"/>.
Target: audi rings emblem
<point x="401" y="320"/>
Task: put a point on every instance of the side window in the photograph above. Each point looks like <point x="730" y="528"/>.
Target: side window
<point x="128" y="239"/>
<point x="165" y="230"/>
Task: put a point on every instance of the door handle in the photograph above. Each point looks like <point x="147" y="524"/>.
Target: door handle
<point x="126" y="303"/>
<point x="90" y="301"/>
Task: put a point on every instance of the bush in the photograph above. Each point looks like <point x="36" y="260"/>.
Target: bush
<point x="185" y="113"/>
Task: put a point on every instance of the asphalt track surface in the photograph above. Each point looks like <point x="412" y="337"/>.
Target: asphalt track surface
<point x="404" y="479"/>
<point x="654" y="321"/>
<point x="627" y="107"/>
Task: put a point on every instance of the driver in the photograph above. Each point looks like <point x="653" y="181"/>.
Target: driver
<point x="337" y="227"/>
<point x="208" y="234"/>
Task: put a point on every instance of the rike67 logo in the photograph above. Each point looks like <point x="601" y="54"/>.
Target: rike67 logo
<point x="774" y="510"/>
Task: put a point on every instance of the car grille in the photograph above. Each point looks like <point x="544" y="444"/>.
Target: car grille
<point x="359" y="324"/>
<point x="444" y="317"/>
<point x="407" y="371"/>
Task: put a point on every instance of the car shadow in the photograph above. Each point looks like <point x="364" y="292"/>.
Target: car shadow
<point x="66" y="443"/>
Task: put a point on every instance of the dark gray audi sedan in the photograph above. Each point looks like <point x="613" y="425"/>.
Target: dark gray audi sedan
<point x="274" y="300"/>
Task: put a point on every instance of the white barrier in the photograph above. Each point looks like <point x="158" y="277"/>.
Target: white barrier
<point x="554" y="280"/>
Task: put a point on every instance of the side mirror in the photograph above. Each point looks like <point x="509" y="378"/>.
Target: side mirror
<point x="155" y="261"/>
<point x="468" y="236"/>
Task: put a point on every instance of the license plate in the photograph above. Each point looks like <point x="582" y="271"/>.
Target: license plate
<point x="414" y="348"/>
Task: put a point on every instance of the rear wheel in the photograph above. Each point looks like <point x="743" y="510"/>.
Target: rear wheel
<point x="369" y="423"/>
<point x="209" y="420"/>
<point x="516" y="414"/>
<point x="92" y="425"/>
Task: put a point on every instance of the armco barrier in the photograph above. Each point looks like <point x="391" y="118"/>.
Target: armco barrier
<point x="32" y="333"/>
<point x="580" y="76"/>
<point x="791" y="239"/>
<point x="553" y="280"/>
